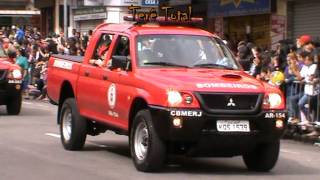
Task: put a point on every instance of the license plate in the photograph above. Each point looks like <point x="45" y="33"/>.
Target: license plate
<point x="233" y="126"/>
<point x="15" y="81"/>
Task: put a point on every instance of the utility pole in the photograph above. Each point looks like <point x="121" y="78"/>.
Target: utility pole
<point x="65" y="20"/>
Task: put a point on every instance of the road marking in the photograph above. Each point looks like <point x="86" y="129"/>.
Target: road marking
<point x="100" y="145"/>
<point x="38" y="106"/>
<point x="53" y="135"/>
<point x="288" y="151"/>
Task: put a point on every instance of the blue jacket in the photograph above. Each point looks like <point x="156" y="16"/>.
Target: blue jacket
<point x="20" y="34"/>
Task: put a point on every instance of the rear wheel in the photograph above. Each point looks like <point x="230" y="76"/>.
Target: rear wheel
<point x="263" y="158"/>
<point x="72" y="126"/>
<point x="14" y="104"/>
<point x="147" y="149"/>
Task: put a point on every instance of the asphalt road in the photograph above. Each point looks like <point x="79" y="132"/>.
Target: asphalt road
<point x="30" y="148"/>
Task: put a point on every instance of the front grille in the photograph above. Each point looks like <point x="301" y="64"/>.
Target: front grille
<point x="3" y="74"/>
<point x="226" y="103"/>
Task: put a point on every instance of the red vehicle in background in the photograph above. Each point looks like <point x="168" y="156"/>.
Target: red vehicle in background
<point x="10" y="84"/>
<point x="172" y="90"/>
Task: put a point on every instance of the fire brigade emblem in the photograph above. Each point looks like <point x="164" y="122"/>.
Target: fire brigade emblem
<point x="112" y="96"/>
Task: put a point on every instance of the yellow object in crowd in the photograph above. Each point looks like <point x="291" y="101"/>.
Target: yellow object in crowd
<point x="277" y="78"/>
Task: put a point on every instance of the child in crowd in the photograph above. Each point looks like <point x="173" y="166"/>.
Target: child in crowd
<point x="307" y="75"/>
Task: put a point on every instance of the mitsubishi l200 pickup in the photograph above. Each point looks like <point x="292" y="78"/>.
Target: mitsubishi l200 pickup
<point x="172" y="90"/>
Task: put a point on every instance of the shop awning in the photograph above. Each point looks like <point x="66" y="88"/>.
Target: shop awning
<point x="19" y="12"/>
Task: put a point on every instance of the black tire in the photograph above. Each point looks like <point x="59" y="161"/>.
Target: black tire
<point x="14" y="104"/>
<point x="155" y="155"/>
<point x="73" y="127"/>
<point x="263" y="158"/>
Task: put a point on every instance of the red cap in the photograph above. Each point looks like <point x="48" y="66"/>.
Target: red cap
<point x="304" y="39"/>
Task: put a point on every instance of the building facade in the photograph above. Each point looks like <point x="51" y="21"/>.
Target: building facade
<point x="92" y="13"/>
<point x="263" y="22"/>
<point x="84" y="15"/>
<point x="303" y="18"/>
<point x="52" y="13"/>
<point x="19" y="13"/>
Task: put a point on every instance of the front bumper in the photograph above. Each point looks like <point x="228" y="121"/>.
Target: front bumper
<point x="9" y="89"/>
<point x="199" y="130"/>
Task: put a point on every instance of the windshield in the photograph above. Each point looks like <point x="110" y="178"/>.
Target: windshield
<point x="2" y="53"/>
<point x="185" y="51"/>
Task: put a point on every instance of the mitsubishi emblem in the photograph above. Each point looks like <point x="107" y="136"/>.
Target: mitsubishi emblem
<point x="231" y="103"/>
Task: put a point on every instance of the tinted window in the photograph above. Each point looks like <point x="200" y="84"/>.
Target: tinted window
<point x="122" y="47"/>
<point x="185" y="51"/>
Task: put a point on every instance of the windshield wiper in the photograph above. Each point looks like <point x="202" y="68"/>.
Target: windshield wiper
<point x="161" y="63"/>
<point x="209" y="65"/>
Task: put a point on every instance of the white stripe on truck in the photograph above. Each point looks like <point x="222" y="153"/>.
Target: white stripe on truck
<point x="62" y="64"/>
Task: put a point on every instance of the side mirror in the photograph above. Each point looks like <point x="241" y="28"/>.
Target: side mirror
<point x="122" y="62"/>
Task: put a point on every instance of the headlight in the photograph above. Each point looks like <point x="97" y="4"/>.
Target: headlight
<point x="174" y="98"/>
<point x="16" y="74"/>
<point x="273" y="101"/>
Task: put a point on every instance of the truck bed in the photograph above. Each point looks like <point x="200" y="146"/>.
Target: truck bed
<point x="62" y="69"/>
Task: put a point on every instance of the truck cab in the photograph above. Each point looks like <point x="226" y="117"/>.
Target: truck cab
<point x="172" y="90"/>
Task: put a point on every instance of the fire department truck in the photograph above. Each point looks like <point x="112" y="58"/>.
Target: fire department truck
<point x="173" y="90"/>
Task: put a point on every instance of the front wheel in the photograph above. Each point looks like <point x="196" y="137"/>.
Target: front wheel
<point x="263" y="158"/>
<point x="14" y="104"/>
<point x="147" y="149"/>
<point x="72" y="126"/>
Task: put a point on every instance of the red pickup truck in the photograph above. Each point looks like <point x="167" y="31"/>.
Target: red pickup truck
<point x="10" y="84"/>
<point x="172" y="90"/>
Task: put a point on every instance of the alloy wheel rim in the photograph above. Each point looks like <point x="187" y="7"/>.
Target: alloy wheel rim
<point x="67" y="125"/>
<point x="141" y="141"/>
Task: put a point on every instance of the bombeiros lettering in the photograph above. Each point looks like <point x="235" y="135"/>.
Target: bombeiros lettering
<point x="226" y="85"/>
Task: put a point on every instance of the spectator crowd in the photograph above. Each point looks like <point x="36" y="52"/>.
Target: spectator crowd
<point x="293" y="67"/>
<point x="26" y="47"/>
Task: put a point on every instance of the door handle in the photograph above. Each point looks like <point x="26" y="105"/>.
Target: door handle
<point x="86" y="73"/>
<point x="105" y="77"/>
